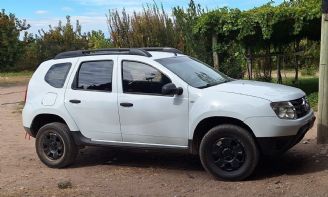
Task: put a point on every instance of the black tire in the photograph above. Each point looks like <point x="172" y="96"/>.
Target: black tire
<point x="229" y="152"/>
<point x="55" y="146"/>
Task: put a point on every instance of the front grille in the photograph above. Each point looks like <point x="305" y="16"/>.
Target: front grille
<point x="302" y="106"/>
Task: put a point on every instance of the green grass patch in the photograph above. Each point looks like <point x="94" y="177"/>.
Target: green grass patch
<point x="308" y="84"/>
<point x="16" y="74"/>
<point x="8" y="79"/>
<point x="313" y="99"/>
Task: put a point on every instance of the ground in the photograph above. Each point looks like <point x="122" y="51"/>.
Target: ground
<point x="303" y="171"/>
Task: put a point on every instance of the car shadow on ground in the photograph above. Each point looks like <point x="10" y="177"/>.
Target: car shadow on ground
<point x="91" y="156"/>
<point x="294" y="162"/>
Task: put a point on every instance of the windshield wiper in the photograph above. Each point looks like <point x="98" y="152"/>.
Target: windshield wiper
<point x="214" y="84"/>
<point x="204" y="86"/>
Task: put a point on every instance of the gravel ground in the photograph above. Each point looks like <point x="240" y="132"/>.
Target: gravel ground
<point x="303" y="171"/>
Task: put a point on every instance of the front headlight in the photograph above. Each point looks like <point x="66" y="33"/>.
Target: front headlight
<point x="284" y="110"/>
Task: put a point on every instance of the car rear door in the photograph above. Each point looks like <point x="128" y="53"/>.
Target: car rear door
<point x="92" y="98"/>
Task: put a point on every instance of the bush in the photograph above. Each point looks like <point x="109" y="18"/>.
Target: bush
<point x="313" y="100"/>
<point x="309" y="70"/>
<point x="232" y="70"/>
<point x="264" y="78"/>
<point x="232" y="60"/>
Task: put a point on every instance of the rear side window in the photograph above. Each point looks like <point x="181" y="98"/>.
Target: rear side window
<point x="57" y="74"/>
<point x="95" y="75"/>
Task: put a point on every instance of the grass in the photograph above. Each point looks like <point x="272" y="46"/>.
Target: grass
<point x="16" y="74"/>
<point x="8" y="79"/>
<point x="313" y="99"/>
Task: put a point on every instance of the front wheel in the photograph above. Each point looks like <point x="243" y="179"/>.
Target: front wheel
<point x="229" y="152"/>
<point x="55" y="146"/>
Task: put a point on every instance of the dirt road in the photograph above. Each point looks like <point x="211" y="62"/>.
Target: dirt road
<point x="303" y="171"/>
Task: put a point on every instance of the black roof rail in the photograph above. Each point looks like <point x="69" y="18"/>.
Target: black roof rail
<point x="163" y="49"/>
<point x="109" y="51"/>
<point x="116" y="51"/>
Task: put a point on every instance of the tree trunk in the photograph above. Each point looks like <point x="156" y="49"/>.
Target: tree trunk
<point x="267" y="66"/>
<point x="297" y="48"/>
<point x="250" y="63"/>
<point x="279" y="63"/>
<point x="269" y="61"/>
<point x="216" y="62"/>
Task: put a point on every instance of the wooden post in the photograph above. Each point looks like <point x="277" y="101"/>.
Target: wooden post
<point x="215" y="53"/>
<point x="250" y="63"/>
<point x="279" y="64"/>
<point x="322" y="130"/>
<point x="296" y="49"/>
<point x="267" y="63"/>
<point x="269" y="60"/>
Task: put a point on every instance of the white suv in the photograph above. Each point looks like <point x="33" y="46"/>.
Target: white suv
<point x="160" y="98"/>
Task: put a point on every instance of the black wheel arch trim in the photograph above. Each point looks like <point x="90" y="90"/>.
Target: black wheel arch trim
<point x="41" y="120"/>
<point x="206" y="124"/>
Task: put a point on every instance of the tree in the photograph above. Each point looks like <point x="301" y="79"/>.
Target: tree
<point x="184" y="21"/>
<point x="11" y="47"/>
<point x="97" y="40"/>
<point x="265" y="32"/>
<point x="60" y="38"/>
<point x="150" y="28"/>
<point x="48" y="43"/>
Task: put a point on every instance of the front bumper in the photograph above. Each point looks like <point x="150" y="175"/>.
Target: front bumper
<point x="272" y="126"/>
<point x="279" y="145"/>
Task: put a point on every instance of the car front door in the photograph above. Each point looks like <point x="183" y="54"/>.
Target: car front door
<point x="92" y="98"/>
<point x="146" y="115"/>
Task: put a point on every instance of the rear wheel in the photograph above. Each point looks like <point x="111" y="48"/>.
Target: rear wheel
<point x="54" y="146"/>
<point x="229" y="152"/>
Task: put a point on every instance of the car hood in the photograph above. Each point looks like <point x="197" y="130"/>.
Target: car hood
<point x="269" y="91"/>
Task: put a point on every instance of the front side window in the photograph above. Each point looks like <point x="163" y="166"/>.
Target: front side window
<point x="195" y="73"/>
<point x="142" y="78"/>
<point x="95" y="75"/>
<point x="57" y="74"/>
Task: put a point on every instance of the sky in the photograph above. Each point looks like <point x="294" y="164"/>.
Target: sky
<point x="92" y="13"/>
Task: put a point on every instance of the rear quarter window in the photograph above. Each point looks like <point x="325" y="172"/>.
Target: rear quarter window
<point x="57" y="74"/>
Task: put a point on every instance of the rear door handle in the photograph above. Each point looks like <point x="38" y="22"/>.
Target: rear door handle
<point x="126" y="104"/>
<point x="75" y="101"/>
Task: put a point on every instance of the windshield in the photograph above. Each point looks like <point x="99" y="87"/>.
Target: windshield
<point x="195" y="73"/>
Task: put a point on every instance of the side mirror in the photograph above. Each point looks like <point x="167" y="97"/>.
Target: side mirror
<point x="171" y="89"/>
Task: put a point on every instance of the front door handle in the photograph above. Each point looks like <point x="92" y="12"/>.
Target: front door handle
<point x="75" y="101"/>
<point x="126" y="104"/>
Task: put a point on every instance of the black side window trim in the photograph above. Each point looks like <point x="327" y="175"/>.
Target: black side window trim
<point x="69" y="64"/>
<point x="142" y="93"/>
<point x="76" y="77"/>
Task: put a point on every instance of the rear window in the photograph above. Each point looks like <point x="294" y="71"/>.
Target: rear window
<point x="95" y="75"/>
<point x="57" y="74"/>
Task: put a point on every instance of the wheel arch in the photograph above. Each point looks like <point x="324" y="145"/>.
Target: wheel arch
<point x="42" y="119"/>
<point x="207" y="123"/>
